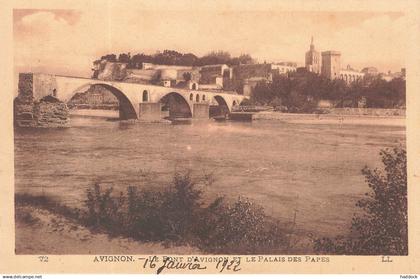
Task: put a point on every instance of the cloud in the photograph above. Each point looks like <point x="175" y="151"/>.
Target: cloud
<point x="67" y="42"/>
<point x="46" y="41"/>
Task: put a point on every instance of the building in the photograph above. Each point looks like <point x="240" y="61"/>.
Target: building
<point x="350" y="75"/>
<point x="370" y="71"/>
<point x="313" y="59"/>
<point x="331" y="64"/>
<point x="283" y="68"/>
<point x="215" y="76"/>
<point x="246" y="77"/>
<point x="390" y="76"/>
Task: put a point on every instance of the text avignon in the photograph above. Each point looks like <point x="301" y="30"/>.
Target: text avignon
<point x="113" y="259"/>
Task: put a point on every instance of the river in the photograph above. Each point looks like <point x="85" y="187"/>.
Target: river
<point x="311" y="170"/>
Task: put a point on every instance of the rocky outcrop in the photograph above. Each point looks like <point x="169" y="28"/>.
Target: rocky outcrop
<point x="48" y="112"/>
<point x="113" y="71"/>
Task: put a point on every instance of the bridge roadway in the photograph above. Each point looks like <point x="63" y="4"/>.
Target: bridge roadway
<point x="136" y="100"/>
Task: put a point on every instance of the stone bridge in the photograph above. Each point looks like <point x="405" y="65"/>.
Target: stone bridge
<point x="137" y="101"/>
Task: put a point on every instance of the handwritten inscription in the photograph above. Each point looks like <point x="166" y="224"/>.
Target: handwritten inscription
<point x="231" y="265"/>
<point x="170" y="263"/>
<point x="223" y="264"/>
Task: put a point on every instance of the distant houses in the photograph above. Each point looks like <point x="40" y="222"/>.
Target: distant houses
<point x="241" y="78"/>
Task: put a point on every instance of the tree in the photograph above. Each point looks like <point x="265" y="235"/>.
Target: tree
<point x="382" y="227"/>
<point x="262" y="93"/>
<point x="218" y="57"/>
<point x="124" y="57"/>
<point x="188" y="59"/>
<point x="137" y="60"/>
<point x="186" y="76"/>
<point x="109" y="57"/>
<point x="246" y="59"/>
<point x="167" y="57"/>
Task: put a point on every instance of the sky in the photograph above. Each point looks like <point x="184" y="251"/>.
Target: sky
<point x="66" y="42"/>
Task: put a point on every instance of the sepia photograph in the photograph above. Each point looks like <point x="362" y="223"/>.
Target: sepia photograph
<point x="209" y="130"/>
<point x="230" y="144"/>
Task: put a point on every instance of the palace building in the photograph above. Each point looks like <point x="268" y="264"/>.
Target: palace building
<point x="313" y="59"/>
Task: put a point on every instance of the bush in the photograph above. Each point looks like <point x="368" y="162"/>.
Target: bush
<point x="176" y="215"/>
<point x="382" y="228"/>
<point x="238" y="228"/>
<point x="104" y="211"/>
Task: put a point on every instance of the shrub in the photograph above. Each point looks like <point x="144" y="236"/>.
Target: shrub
<point x="166" y="215"/>
<point x="176" y="215"/>
<point x="382" y="228"/>
<point x="238" y="228"/>
<point x="103" y="211"/>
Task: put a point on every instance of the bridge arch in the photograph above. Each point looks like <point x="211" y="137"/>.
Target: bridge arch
<point x="176" y="104"/>
<point x="126" y="108"/>
<point x="222" y="109"/>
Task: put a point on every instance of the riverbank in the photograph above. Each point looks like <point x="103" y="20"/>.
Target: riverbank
<point x="45" y="225"/>
<point x="340" y="119"/>
<point x="94" y="113"/>
<point x="40" y="231"/>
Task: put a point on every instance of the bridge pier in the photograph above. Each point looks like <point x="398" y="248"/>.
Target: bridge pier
<point x="150" y="111"/>
<point x="201" y="110"/>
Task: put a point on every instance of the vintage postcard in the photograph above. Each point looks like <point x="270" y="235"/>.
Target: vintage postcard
<point x="210" y="137"/>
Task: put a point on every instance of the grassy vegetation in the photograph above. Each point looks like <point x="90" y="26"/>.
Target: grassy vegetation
<point x="48" y="203"/>
<point x="175" y="215"/>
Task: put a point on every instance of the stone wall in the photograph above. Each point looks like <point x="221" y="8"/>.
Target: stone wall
<point x="32" y="111"/>
<point x="210" y="73"/>
<point x="44" y="85"/>
<point x="50" y="113"/>
<point x="25" y="85"/>
<point x="242" y="72"/>
<point x="367" y="111"/>
<point x="46" y="113"/>
<point x="23" y="114"/>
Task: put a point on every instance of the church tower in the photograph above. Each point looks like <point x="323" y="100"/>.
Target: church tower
<point x="313" y="59"/>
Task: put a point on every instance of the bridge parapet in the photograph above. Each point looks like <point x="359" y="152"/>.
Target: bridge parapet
<point x="130" y="95"/>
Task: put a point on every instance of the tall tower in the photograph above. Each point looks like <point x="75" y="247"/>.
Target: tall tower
<point x="313" y="59"/>
<point x="331" y="65"/>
